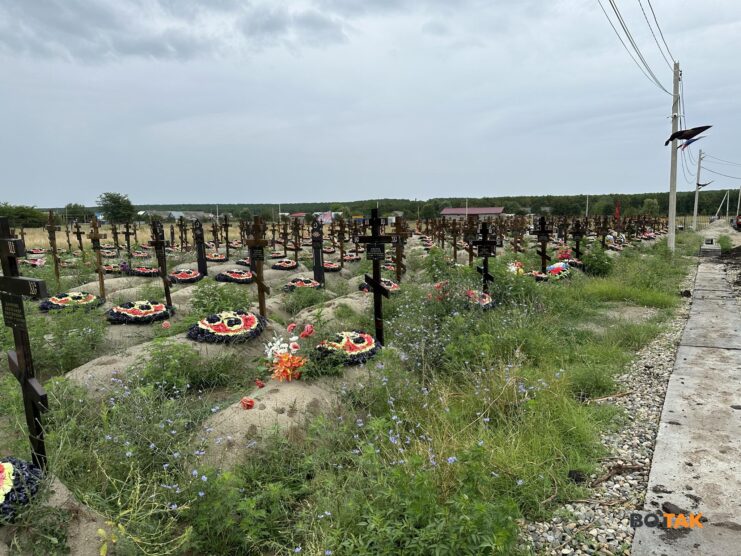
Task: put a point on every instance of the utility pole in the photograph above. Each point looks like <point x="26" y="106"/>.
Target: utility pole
<point x="697" y="192"/>
<point x="671" y="240"/>
<point x="728" y="201"/>
<point x="738" y="203"/>
<point x="586" y="212"/>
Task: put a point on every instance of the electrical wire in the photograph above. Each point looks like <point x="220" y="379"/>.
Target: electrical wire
<point x="634" y="44"/>
<point x="660" y="32"/>
<point x="632" y="57"/>
<point x="721" y="174"/>
<point x="650" y="27"/>
<point x="722" y="161"/>
<point x="686" y="171"/>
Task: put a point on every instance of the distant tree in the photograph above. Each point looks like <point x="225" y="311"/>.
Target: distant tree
<point x="308" y="218"/>
<point x="76" y="211"/>
<point x="650" y="207"/>
<point x="29" y="217"/>
<point x="244" y="214"/>
<point x="116" y="207"/>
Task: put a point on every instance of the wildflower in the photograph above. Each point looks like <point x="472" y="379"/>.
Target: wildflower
<point x="201" y="493"/>
<point x="204" y="478"/>
<point x="166" y="325"/>
<point x="520" y="482"/>
<point x="291" y="327"/>
<point x="259" y="383"/>
<point x="452" y="459"/>
<point x="297" y="549"/>
<point x="194" y="473"/>
<point x="328" y="552"/>
<point x="247" y="403"/>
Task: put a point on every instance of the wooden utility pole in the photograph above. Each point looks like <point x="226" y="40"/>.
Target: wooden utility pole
<point x="671" y="239"/>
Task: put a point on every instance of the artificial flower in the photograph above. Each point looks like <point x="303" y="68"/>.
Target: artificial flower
<point x="291" y="327"/>
<point x="247" y="403"/>
<point x="166" y="325"/>
<point x="307" y="331"/>
<point x="259" y="383"/>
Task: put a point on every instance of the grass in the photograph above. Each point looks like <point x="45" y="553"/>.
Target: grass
<point x="465" y="422"/>
<point x="726" y="244"/>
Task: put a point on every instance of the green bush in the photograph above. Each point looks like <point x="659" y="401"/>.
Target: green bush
<point x="597" y="262"/>
<point x="302" y="298"/>
<point x="212" y="297"/>
<point x="725" y="243"/>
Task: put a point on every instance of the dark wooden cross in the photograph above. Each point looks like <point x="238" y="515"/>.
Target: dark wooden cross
<point x="284" y="236"/>
<point x="469" y="236"/>
<point x="225" y="227"/>
<point x="543" y="234"/>
<point x="427" y="226"/>
<point x="455" y="233"/>
<point x="375" y="250"/>
<point x="23" y="234"/>
<point x="172" y="236"/>
<point x="398" y="239"/>
<point x="273" y="229"/>
<point x="114" y="233"/>
<point x="317" y="244"/>
<point x="356" y="234"/>
<point x="256" y="244"/>
<point x="215" y="235"/>
<point x="12" y="289"/>
<point x="127" y="233"/>
<point x="79" y="233"/>
<point x="200" y="244"/>
<point x="158" y="243"/>
<point x="562" y="226"/>
<point x="341" y="231"/>
<point x="95" y="236"/>
<point x="136" y="232"/>
<point x="297" y="235"/>
<point x="577" y="232"/>
<point x="518" y="228"/>
<point x="486" y="247"/>
<point x="182" y="234"/>
<point x="67" y="233"/>
<point x="603" y="229"/>
<point x="52" y="229"/>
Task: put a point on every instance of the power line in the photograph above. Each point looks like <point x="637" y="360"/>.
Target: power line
<point x="723" y="161"/>
<point x="635" y="45"/>
<point x="720" y="174"/>
<point x="650" y="28"/>
<point x="685" y="171"/>
<point x="632" y="57"/>
<point x="660" y="32"/>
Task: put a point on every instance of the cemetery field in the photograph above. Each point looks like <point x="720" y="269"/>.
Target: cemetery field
<point x="469" y="425"/>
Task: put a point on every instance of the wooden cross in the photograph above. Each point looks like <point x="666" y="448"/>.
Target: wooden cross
<point x="543" y="234"/>
<point x="486" y="248"/>
<point x="199" y="242"/>
<point x="284" y="235"/>
<point x="172" y="236"/>
<point x="52" y="230"/>
<point x="215" y="234"/>
<point x="317" y="244"/>
<point x="114" y="233"/>
<point x="398" y="239"/>
<point x="375" y="250"/>
<point x="454" y="232"/>
<point x="23" y="234"/>
<point x="341" y="233"/>
<point x="127" y="233"/>
<point x="577" y="232"/>
<point x="136" y="236"/>
<point x="79" y="233"/>
<point x="158" y="243"/>
<point x="356" y="234"/>
<point x="182" y="234"/>
<point x="256" y="244"/>
<point x="225" y="227"/>
<point x="95" y="236"/>
<point x="297" y="235"/>
<point x="67" y="232"/>
<point x="469" y="236"/>
<point x="273" y="229"/>
<point x="12" y="289"/>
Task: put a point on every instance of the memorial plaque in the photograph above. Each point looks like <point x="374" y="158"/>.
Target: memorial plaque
<point x="375" y="252"/>
<point x="257" y="254"/>
<point x="13" y="313"/>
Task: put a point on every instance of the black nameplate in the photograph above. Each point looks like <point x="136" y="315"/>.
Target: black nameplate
<point x="20" y="285"/>
<point x="13" y="312"/>
<point x="257" y="254"/>
<point x="375" y="252"/>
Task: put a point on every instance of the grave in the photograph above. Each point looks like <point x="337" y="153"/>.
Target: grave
<point x="158" y="243"/>
<point x="317" y="245"/>
<point x="486" y="248"/>
<point x="95" y="236"/>
<point x="375" y="251"/>
<point x="198" y="241"/>
<point x="256" y="244"/>
<point x="51" y="228"/>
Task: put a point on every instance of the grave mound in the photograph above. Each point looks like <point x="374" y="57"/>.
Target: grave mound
<point x="236" y="276"/>
<point x="138" y="312"/>
<point x="228" y="327"/>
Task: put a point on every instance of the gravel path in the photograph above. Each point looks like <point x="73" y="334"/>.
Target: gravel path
<point x="600" y="525"/>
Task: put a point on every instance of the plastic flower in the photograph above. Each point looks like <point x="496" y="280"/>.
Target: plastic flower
<point x="294" y="347"/>
<point x="307" y="331"/>
<point x="286" y="367"/>
<point x="6" y="479"/>
<point x="247" y="403"/>
<point x="291" y="327"/>
<point x="166" y="325"/>
<point x="259" y="383"/>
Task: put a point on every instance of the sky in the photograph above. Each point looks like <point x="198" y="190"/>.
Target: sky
<point x="254" y="101"/>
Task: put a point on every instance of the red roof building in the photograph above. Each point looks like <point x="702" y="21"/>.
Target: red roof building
<point x="479" y="212"/>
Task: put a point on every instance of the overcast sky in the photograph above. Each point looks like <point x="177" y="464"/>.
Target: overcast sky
<point x="277" y="101"/>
